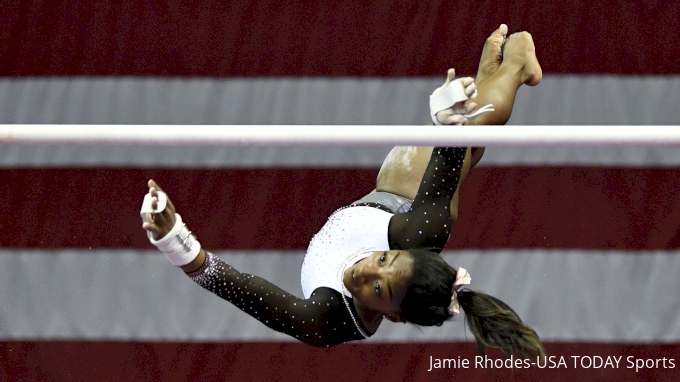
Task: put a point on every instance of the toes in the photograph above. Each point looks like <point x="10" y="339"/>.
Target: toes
<point x="503" y="29"/>
<point x="498" y="36"/>
<point x="524" y="35"/>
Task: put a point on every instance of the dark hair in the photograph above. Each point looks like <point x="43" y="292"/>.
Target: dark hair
<point x="493" y="323"/>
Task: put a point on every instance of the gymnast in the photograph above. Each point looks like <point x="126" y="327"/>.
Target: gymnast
<point x="378" y="258"/>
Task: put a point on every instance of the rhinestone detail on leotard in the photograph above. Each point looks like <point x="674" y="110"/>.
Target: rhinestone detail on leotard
<point x="321" y="319"/>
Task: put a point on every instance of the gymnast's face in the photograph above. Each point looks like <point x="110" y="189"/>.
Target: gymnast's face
<point x="379" y="282"/>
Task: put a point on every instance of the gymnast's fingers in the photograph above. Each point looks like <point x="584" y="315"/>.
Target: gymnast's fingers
<point x="165" y="219"/>
<point x="150" y="227"/>
<point x="152" y="183"/>
<point x="161" y="218"/>
<point x="470" y="86"/>
<point x="167" y="216"/>
<point x="451" y="117"/>
<point x="170" y="207"/>
<point x="463" y="108"/>
<point x="160" y="224"/>
<point x="456" y="119"/>
<point x="450" y="75"/>
<point x="154" y="188"/>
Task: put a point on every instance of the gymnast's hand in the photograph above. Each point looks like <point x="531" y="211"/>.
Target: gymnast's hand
<point x="163" y="221"/>
<point x="456" y="114"/>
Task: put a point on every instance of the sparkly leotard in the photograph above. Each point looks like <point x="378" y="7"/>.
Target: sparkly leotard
<point x="321" y="318"/>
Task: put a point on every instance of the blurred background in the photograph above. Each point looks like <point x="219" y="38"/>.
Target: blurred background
<point x="581" y="242"/>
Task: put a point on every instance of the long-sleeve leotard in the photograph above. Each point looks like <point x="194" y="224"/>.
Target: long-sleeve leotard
<point x="323" y="319"/>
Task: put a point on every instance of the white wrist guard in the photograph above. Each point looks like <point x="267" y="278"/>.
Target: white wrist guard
<point x="449" y="94"/>
<point x="179" y="245"/>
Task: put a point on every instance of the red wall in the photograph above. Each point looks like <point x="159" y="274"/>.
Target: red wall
<point x="328" y="38"/>
<point x="123" y="361"/>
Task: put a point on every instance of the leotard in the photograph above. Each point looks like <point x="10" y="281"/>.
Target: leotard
<point x="321" y="318"/>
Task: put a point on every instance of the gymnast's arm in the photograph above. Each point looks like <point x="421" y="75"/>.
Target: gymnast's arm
<point x="428" y="222"/>
<point x="314" y="321"/>
<point x="320" y="320"/>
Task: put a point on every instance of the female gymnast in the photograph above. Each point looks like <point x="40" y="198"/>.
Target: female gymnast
<point x="379" y="257"/>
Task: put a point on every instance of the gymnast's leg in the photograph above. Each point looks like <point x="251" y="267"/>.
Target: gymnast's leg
<point x="520" y="66"/>
<point x="404" y="166"/>
<point x="489" y="62"/>
<point x="504" y="67"/>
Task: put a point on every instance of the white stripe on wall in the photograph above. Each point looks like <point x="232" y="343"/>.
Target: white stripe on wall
<point x="148" y="156"/>
<point x="566" y="295"/>
<point x="558" y="100"/>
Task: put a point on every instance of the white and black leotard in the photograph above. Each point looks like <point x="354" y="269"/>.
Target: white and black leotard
<point x="321" y="318"/>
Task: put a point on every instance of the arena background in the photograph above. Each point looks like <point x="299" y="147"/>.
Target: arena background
<point x="582" y="242"/>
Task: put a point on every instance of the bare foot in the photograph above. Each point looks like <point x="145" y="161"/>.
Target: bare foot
<point x="492" y="54"/>
<point x="520" y="47"/>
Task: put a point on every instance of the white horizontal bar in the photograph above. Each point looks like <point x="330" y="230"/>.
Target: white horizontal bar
<point x="237" y="135"/>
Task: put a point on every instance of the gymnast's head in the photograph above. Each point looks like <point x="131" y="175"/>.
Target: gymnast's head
<point x="404" y="285"/>
<point x="379" y="282"/>
<point x="416" y="286"/>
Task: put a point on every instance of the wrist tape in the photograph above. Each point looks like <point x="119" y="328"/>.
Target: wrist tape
<point x="180" y="246"/>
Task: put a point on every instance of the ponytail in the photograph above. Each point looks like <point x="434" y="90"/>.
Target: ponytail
<point x="493" y="323"/>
